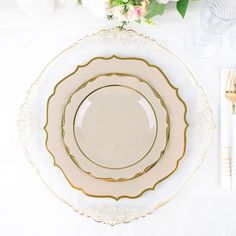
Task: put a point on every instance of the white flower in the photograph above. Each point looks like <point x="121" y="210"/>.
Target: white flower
<point x="118" y="13"/>
<point x="97" y="7"/>
<point x="166" y="1"/>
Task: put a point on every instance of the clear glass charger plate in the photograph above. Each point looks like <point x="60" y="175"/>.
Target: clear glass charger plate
<point x="126" y="43"/>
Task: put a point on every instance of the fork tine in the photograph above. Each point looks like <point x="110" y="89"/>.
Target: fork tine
<point x="231" y="81"/>
<point x="230" y="91"/>
<point x="228" y="81"/>
<point x="234" y="81"/>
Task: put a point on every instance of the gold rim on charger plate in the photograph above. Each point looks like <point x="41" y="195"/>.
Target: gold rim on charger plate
<point x="167" y="128"/>
<point x="22" y="124"/>
<point x="185" y="130"/>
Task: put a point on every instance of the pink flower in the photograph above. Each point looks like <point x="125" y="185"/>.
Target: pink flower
<point x="137" y="12"/>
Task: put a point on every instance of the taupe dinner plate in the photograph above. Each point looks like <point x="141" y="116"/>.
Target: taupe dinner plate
<point x="115" y="127"/>
<point x="152" y="76"/>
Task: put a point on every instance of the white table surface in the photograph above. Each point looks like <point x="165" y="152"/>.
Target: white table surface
<point x="26" y="206"/>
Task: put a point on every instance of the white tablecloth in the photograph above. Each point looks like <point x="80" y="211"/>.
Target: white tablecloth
<point x="26" y="205"/>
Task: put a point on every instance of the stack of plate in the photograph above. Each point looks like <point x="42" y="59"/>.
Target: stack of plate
<point x="119" y="133"/>
<point x="116" y="127"/>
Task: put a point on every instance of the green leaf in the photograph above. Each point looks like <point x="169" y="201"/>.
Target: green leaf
<point x="154" y="8"/>
<point x="182" y="6"/>
<point x="117" y="2"/>
<point x="136" y="2"/>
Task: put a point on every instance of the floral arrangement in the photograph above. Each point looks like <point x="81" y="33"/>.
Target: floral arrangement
<point x="125" y="11"/>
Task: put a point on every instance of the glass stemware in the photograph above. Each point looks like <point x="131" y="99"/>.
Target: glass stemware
<point x="216" y="18"/>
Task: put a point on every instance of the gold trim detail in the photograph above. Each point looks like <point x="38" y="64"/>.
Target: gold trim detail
<point x="23" y="125"/>
<point x="167" y="129"/>
<point x="156" y="130"/>
<point x="185" y="131"/>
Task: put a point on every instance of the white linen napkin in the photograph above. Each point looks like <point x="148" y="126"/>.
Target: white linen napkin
<point x="226" y="129"/>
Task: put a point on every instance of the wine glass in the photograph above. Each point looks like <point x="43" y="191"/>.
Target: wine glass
<point x="216" y="18"/>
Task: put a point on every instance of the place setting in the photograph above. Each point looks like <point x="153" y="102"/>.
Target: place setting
<point x="117" y="125"/>
<point x="116" y="132"/>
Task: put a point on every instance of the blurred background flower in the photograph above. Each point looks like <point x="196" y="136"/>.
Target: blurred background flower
<point x="98" y="8"/>
<point x="125" y="11"/>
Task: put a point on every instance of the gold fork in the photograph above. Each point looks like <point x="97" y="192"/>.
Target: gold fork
<point x="230" y="94"/>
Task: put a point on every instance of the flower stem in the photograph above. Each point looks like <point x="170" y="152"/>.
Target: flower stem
<point x="122" y="26"/>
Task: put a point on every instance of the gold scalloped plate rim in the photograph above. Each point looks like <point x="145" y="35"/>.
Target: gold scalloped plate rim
<point x="146" y="169"/>
<point x="185" y="130"/>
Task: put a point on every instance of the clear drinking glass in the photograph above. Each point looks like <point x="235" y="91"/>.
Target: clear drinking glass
<point x="216" y="18"/>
